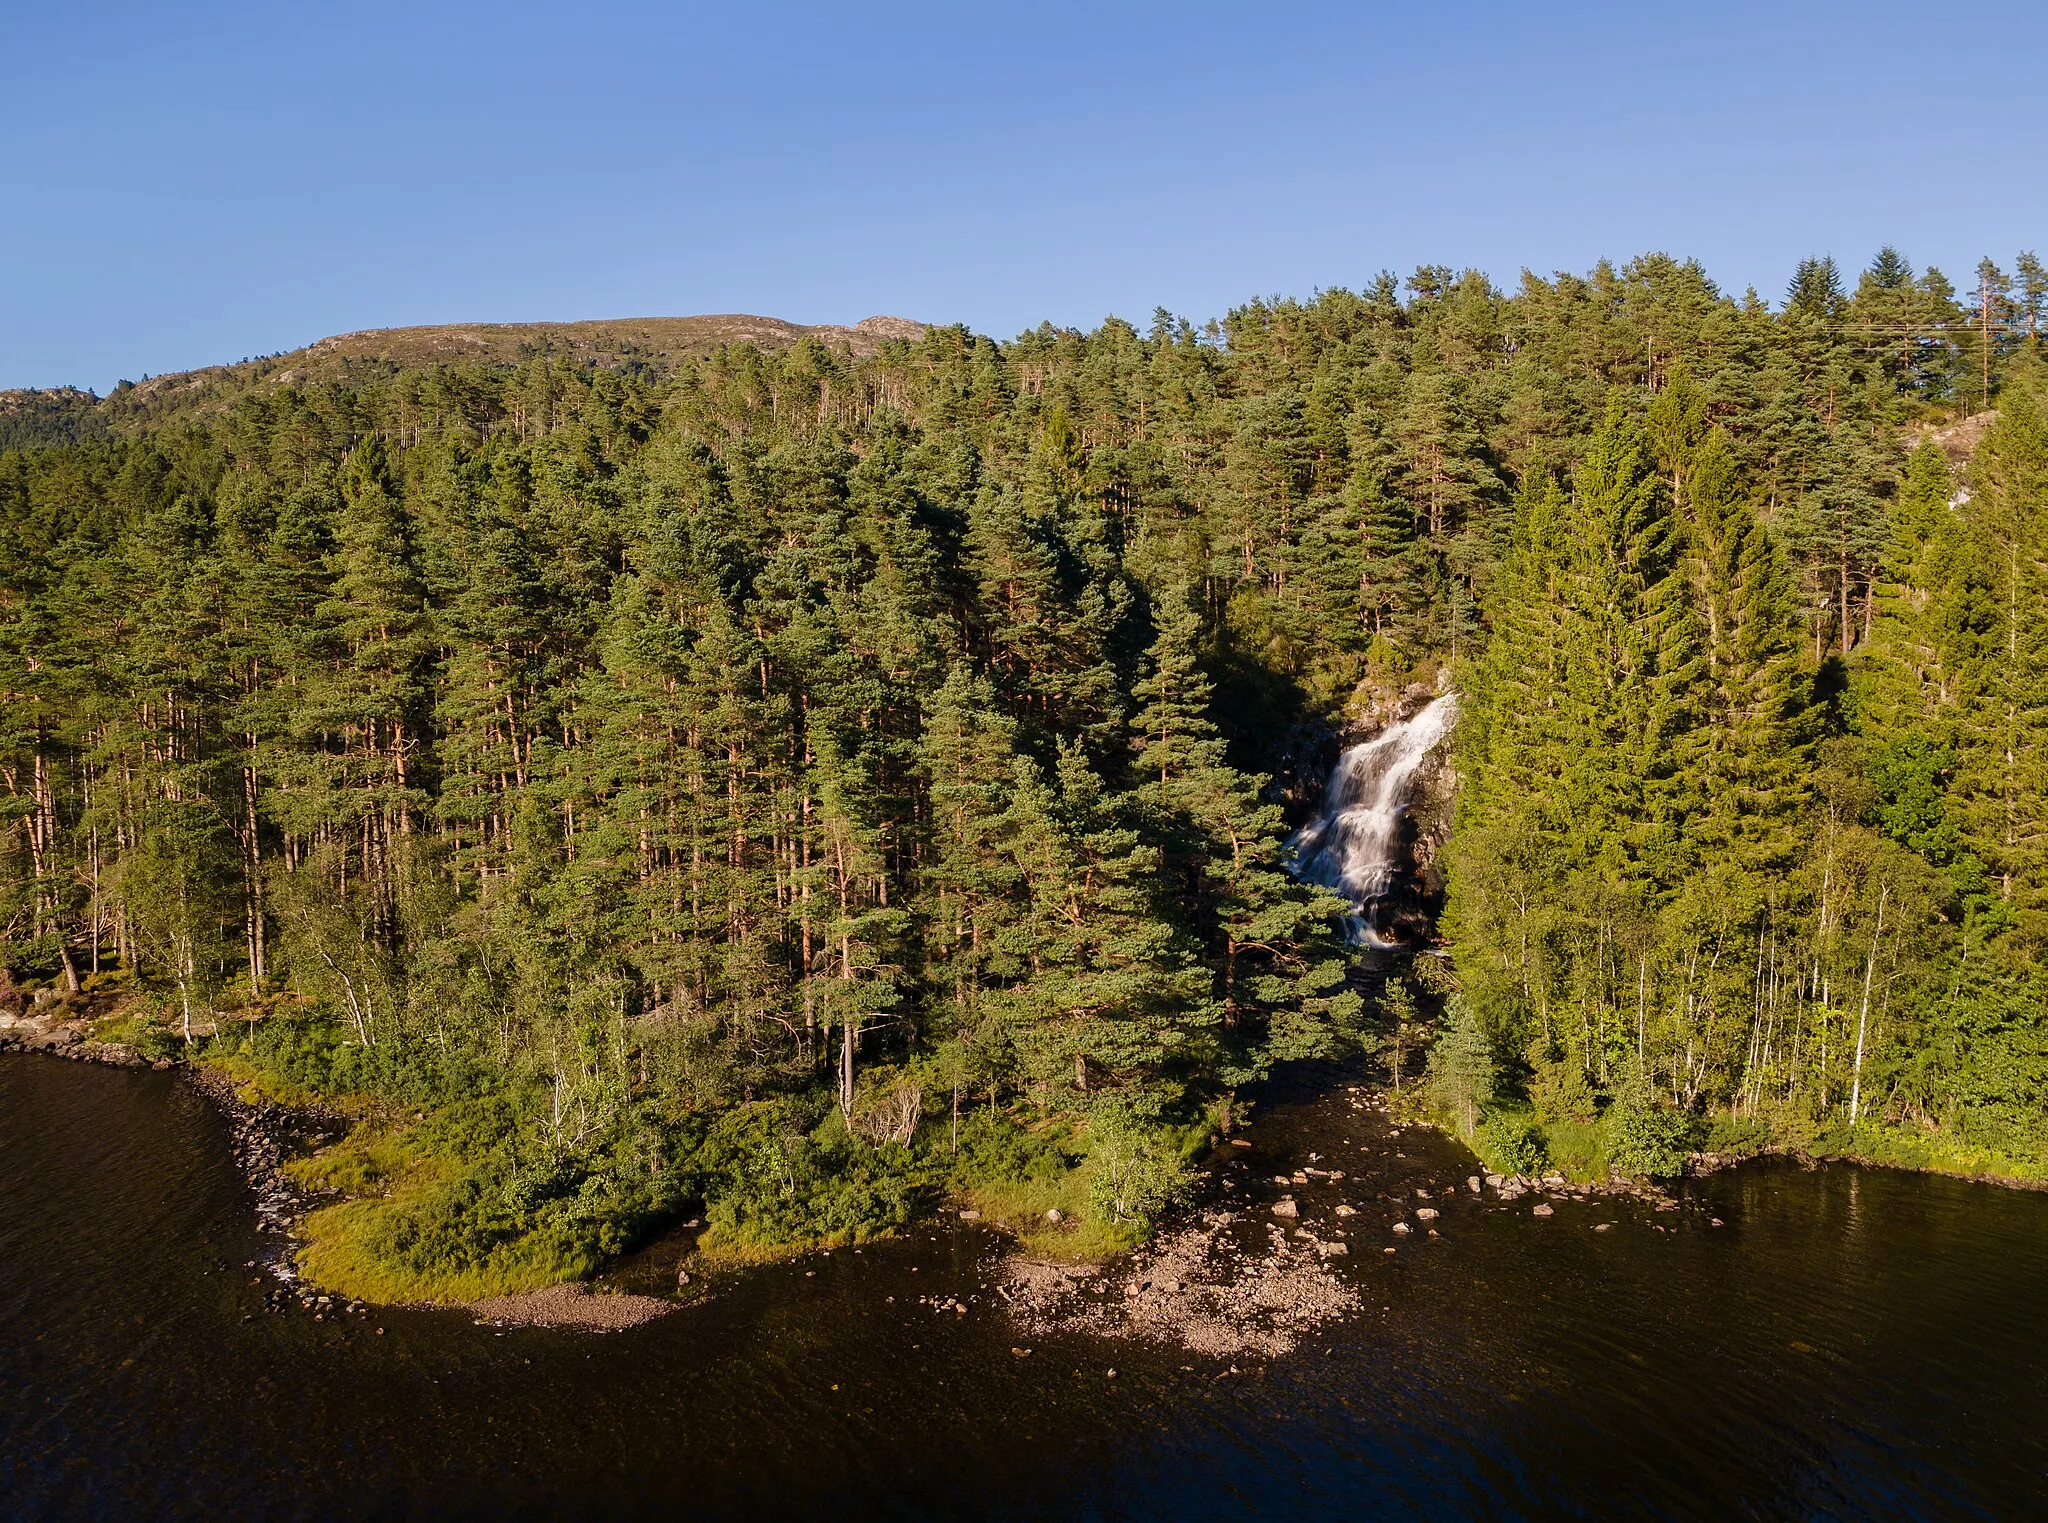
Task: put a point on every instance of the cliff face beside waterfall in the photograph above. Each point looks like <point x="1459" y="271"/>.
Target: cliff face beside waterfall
<point x="1376" y="834"/>
<point x="1433" y="789"/>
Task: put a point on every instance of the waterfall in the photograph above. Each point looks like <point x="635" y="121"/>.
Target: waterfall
<point x="1353" y="845"/>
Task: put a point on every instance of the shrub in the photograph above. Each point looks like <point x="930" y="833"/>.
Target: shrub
<point x="1562" y="1093"/>
<point x="1513" y="1143"/>
<point x="1135" y="1170"/>
<point x="1648" y="1141"/>
<point x="769" y="1179"/>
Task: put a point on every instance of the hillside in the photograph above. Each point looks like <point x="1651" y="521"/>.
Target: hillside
<point x="641" y="345"/>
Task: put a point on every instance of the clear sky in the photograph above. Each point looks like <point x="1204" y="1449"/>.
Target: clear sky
<point x="182" y="184"/>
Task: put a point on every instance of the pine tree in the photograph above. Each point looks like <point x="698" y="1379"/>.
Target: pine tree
<point x="1757" y="726"/>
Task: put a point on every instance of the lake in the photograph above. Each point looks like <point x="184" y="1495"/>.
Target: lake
<point x="1847" y="1343"/>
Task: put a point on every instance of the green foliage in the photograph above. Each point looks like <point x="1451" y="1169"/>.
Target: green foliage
<point x="1462" y="1071"/>
<point x="1513" y="1142"/>
<point x="1561" y="1093"/>
<point x="691" y="781"/>
<point x="1135" y="1171"/>
<point x="772" y="1179"/>
<point x="1646" y="1140"/>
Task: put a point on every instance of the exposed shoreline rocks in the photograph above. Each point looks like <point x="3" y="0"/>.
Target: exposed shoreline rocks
<point x="63" y="1033"/>
<point x="572" y="1305"/>
<point x="1197" y="1288"/>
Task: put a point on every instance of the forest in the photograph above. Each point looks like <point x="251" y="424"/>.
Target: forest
<point x="801" y="786"/>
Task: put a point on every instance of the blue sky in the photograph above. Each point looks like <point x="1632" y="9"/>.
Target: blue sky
<point x="186" y="184"/>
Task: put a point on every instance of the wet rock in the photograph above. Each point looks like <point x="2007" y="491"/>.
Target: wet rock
<point x="1472" y="1184"/>
<point x="1403" y="1228"/>
<point x="1427" y="1214"/>
<point x="1286" y="1208"/>
<point x="1541" y="1209"/>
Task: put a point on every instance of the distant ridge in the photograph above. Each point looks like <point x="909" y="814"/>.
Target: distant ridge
<point x="629" y="343"/>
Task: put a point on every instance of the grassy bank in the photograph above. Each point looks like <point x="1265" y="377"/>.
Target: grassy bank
<point x="1635" y="1142"/>
<point x="451" y="1185"/>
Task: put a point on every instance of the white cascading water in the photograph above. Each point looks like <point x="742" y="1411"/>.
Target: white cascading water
<point x="1352" y="846"/>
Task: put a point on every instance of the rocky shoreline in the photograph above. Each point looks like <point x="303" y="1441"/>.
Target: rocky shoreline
<point x="1256" y="1271"/>
<point x="262" y="1134"/>
<point x="49" y="1027"/>
<point x="1249" y="1274"/>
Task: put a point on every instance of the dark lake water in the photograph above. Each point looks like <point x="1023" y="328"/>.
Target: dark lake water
<point x="1851" y="1343"/>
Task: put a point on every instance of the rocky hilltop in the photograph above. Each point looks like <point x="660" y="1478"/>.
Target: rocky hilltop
<point x="647" y="345"/>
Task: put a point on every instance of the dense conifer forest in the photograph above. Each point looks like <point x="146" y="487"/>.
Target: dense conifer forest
<point x="793" y="784"/>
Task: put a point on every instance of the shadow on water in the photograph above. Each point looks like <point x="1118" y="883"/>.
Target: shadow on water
<point x="1850" y="1343"/>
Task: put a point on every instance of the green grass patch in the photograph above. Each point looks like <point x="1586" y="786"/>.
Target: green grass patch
<point x="368" y="1161"/>
<point x="359" y="1249"/>
<point x="1578" y="1149"/>
<point x="1019" y="1207"/>
<point x="1899" y="1147"/>
<point x="257" y="1082"/>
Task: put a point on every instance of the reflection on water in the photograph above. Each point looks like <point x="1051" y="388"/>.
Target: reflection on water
<point x="1851" y="1343"/>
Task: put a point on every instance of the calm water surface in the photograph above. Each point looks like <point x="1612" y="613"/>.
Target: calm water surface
<point x="1851" y="1343"/>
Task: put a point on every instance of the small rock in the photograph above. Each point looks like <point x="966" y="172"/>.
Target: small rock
<point x="1713" y="1221"/>
<point x="1494" y="1180"/>
<point x="1336" y="1250"/>
<point x="1346" y="1211"/>
<point x="1403" y="1228"/>
<point x="1427" y="1213"/>
<point x="1020" y="1352"/>
<point x="1472" y="1184"/>
<point x="682" y="1278"/>
<point x="970" y="1216"/>
<point x="1540" y="1209"/>
<point x="1055" y="1216"/>
<point x="1282" y="1179"/>
<point x="1602" y="1226"/>
<point x="1286" y="1208"/>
